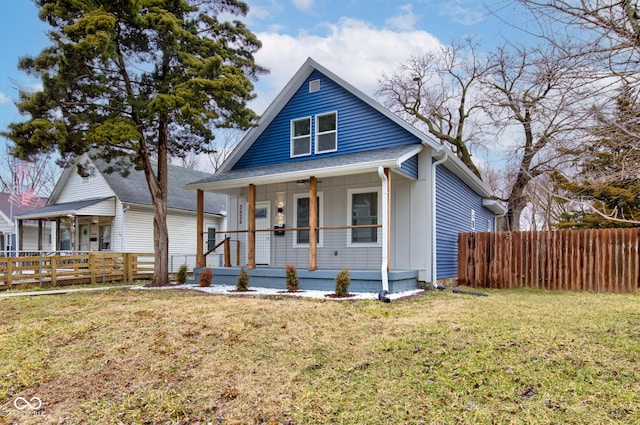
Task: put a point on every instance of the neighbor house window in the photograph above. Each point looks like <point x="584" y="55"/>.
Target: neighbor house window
<point x="301" y="137"/>
<point x="363" y="210"/>
<point x="327" y="132"/>
<point x="301" y="218"/>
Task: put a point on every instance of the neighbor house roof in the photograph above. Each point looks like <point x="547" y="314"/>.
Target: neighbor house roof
<point x="57" y="210"/>
<point x="9" y="208"/>
<point x="133" y="189"/>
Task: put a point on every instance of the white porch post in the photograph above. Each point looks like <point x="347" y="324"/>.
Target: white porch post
<point x="385" y="221"/>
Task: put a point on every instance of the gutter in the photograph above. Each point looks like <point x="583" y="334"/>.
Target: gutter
<point x="384" y="266"/>
<point x="434" y="259"/>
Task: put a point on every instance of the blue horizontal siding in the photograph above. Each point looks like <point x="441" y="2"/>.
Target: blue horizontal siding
<point x="410" y="167"/>
<point x="360" y="127"/>
<point x="454" y="202"/>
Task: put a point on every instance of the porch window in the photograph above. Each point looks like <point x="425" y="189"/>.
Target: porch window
<point x="65" y="237"/>
<point x="327" y="132"/>
<point x="363" y="210"/>
<point x="104" y="237"/>
<point x="301" y="219"/>
<point x="301" y="137"/>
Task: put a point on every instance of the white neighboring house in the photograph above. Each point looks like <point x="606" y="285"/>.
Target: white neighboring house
<point x="109" y="212"/>
<point x="12" y="206"/>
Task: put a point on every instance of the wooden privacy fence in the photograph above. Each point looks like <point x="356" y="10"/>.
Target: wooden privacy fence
<point x="578" y="260"/>
<point x="57" y="270"/>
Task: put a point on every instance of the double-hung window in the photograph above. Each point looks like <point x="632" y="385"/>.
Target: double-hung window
<point x="301" y="137"/>
<point x="363" y="209"/>
<point x="301" y="218"/>
<point x="327" y="132"/>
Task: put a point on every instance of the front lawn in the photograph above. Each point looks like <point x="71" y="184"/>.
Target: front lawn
<point x="167" y="356"/>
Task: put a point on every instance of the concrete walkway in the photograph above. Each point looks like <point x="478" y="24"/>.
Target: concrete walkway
<point x="58" y="291"/>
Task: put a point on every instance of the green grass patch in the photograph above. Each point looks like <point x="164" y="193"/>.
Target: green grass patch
<point x="517" y="356"/>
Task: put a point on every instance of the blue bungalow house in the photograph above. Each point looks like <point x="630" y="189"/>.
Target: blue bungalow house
<point x="330" y="179"/>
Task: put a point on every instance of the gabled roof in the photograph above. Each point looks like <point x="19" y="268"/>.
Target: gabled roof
<point x="133" y="188"/>
<point x="226" y="175"/>
<point x="287" y="93"/>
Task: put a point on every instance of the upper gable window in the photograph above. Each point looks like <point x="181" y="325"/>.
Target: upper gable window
<point x="301" y="137"/>
<point x="327" y="132"/>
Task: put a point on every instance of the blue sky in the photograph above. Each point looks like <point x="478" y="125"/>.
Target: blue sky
<point x="356" y="39"/>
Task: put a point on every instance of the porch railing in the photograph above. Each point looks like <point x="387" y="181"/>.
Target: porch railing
<point x="354" y="247"/>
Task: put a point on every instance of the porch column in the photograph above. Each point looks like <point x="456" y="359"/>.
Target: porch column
<point x="200" y="260"/>
<point x="57" y="234"/>
<point x="20" y="236"/>
<point x="387" y="225"/>
<point x="313" y="219"/>
<point x="251" y="261"/>
<point x="40" y="234"/>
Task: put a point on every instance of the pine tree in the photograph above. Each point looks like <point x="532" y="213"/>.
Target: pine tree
<point x="134" y="82"/>
<point x="608" y="177"/>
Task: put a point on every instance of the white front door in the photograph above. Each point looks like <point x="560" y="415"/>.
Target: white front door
<point x="263" y="239"/>
<point x="85" y="235"/>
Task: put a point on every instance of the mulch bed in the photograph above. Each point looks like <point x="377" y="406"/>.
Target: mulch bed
<point x="338" y="296"/>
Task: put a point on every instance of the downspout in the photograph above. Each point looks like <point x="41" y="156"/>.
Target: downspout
<point x="434" y="258"/>
<point x="123" y="228"/>
<point x="384" y="266"/>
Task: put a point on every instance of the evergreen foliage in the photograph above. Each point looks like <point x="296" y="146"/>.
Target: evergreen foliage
<point x="242" y="283"/>
<point x="293" y="282"/>
<point x="135" y="82"/>
<point x="343" y="279"/>
<point x="608" y="171"/>
<point x="181" y="276"/>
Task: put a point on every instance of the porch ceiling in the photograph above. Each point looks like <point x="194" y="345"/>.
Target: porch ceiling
<point x="329" y="166"/>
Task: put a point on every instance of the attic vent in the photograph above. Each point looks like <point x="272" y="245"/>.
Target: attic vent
<point x="314" y="86"/>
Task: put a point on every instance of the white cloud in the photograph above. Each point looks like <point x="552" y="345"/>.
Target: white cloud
<point x="462" y="12"/>
<point x="405" y="20"/>
<point x="4" y="99"/>
<point x="304" y="5"/>
<point x="353" y="49"/>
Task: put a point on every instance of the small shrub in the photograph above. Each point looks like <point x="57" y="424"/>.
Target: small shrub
<point x="293" y="282"/>
<point x="181" y="276"/>
<point x="243" y="281"/>
<point x="343" y="279"/>
<point x="204" y="279"/>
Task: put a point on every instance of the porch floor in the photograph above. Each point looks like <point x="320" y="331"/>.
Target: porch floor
<point x="317" y="280"/>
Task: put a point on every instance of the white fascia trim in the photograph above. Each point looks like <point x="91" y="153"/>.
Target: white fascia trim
<point x="333" y="171"/>
<point x="409" y="155"/>
<point x="494" y="206"/>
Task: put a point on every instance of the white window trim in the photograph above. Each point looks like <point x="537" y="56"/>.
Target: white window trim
<point x="291" y="138"/>
<point x="317" y="133"/>
<point x="473" y="220"/>
<point x="350" y="193"/>
<point x="297" y="196"/>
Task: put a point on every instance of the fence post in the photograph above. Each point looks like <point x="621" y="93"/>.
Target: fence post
<point x="9" y="272"/>
<point x="126" y="264"/>
<point x="40" y="270"/>
<point x="92" y="267"/>
<point x="54" y="272"/>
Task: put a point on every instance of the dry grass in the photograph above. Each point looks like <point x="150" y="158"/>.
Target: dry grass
<point x="181" y="357"/>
